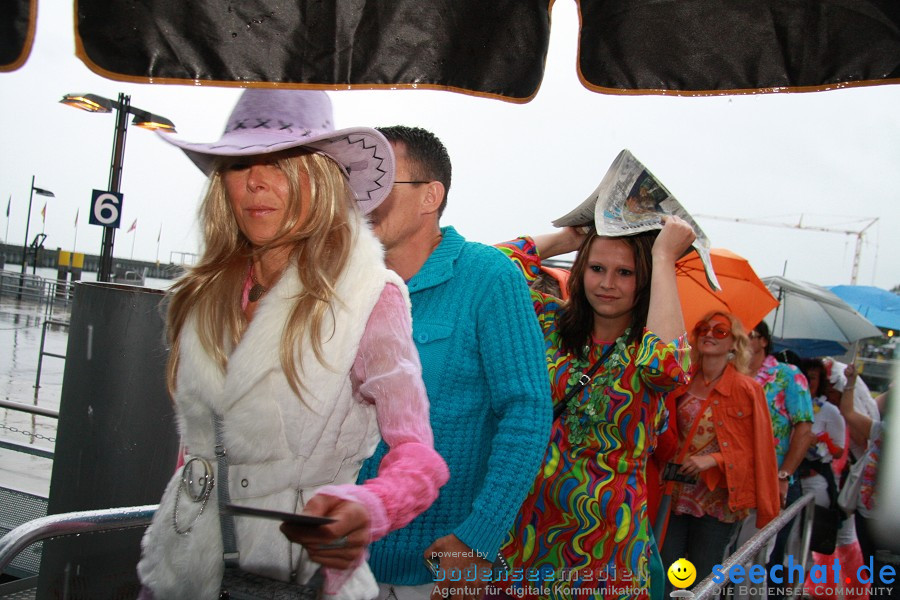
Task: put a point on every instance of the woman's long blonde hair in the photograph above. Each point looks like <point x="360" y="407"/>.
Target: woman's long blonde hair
<point x="741" y="360"/>
<point x="319" y="250"/>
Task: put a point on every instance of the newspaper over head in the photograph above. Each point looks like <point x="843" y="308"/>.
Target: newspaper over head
<point x="631" y="200"/>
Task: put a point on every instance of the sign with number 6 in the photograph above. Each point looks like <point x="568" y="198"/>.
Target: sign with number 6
<point x="106" y="208"/>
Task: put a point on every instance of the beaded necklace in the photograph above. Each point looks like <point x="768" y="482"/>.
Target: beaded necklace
<point x="578" y="422"/>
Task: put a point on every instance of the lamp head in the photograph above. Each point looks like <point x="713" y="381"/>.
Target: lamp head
<point x="89" y="102"/>
<point x="147" y="120"/>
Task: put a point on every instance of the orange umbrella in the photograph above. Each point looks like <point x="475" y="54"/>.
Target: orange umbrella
<point x="743" y="293"/>
<point x="562" y="278"/>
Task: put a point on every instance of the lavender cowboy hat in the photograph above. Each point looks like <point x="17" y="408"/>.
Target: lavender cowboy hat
<point x="267" y="120"/>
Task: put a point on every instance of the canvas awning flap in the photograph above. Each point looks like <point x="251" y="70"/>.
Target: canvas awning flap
<point x="490" y="48"/>
<point x="694" y="46"/>
<point x="494" y="48"/>
<point x="17" y="21"/>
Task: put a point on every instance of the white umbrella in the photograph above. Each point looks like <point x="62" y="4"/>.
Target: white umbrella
<point x="811" y="312"/>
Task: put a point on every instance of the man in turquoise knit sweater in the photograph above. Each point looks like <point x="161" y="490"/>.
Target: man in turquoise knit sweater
<point x="483" y="364"/>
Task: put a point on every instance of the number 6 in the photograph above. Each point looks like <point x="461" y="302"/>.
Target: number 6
<point x="106" y="209"/>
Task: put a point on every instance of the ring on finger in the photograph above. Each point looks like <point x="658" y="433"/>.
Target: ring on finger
<point x="340" y="542"/>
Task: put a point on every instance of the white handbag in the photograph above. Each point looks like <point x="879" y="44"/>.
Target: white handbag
<point x="848" y="499"/>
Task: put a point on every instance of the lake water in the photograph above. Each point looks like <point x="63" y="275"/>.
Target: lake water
<point x="21" y="328"/>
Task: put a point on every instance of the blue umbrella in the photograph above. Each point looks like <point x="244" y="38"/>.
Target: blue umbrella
<point x="878" y="305"/>
<point x="806" y="348"/>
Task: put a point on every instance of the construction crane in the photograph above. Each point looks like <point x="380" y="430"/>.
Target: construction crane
<point x="868" y="222"/>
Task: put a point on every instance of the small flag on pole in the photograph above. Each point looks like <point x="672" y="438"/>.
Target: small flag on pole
<point x="8" y="204"/>
<point x="78" y="210"/>
<point x="44" y="213"/>
<point x="133" y="227"/>
<point x="159" y="235"/>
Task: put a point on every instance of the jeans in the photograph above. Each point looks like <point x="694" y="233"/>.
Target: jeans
<point x="700" y="540"/>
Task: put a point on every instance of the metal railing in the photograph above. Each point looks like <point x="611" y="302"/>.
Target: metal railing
<point x="51" y="296"/>
<point x="33" y="410"/>
<point x="34" y="288"/>
<point x="75" y="523"/>
<point x="755" y="550"/>
<point x="50" y="322"/>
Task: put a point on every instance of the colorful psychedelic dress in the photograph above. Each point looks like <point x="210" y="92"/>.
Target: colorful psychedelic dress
<point x="584" y="523"/>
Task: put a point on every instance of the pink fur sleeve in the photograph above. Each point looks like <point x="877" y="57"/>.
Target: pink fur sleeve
<point x="388" y="373"/>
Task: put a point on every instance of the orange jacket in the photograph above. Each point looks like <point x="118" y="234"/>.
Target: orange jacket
<point x="746" y="458"/>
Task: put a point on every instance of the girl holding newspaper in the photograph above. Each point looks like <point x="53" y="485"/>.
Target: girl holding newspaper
<point x="584" y="523"/>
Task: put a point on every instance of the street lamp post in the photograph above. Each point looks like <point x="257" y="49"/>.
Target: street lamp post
<point x="31" y="193"/>
<point x="142" y="118"/>
<point x="115" y="183"/>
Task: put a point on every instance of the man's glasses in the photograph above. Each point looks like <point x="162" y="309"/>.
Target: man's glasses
<point x="720" y="332"/>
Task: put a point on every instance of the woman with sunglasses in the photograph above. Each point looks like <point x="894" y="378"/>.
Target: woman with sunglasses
<point x="291" y="357"/>
<point x="725" y="448"/>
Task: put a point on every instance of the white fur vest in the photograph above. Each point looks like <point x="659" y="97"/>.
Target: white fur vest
<point x="280" y="449"/>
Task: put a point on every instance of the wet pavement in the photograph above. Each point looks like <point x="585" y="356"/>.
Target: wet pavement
<point x="21" y="328"/>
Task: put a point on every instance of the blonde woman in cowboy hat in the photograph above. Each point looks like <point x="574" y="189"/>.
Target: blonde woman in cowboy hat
<point x="291" y="357"/>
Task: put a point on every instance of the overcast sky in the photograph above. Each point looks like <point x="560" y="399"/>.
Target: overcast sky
<point x="832" y="156"/>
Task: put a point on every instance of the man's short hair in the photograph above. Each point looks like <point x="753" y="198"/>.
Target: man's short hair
<point x="429" y="158"/>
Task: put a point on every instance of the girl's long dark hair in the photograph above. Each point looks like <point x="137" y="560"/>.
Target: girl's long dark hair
<point x="577" y="320"/>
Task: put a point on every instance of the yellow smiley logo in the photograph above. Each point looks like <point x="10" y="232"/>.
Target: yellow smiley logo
<point x="682" y="573"/>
